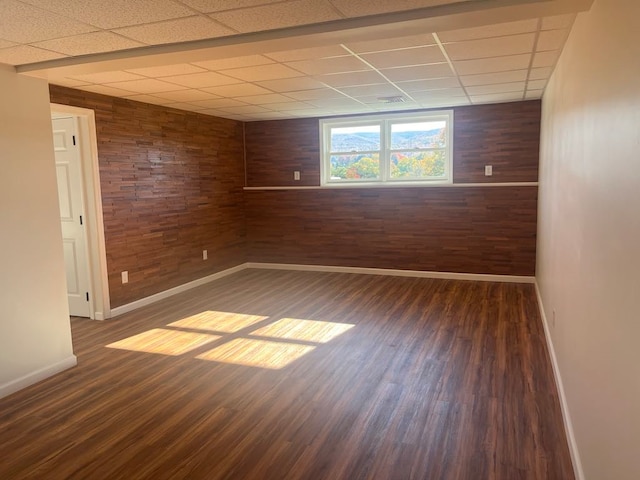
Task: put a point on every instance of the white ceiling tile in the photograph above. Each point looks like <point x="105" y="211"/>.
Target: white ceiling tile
<point x="358" y="8"/>
<point x="559" y="21"/>
<point x="488" y="31"/>
<point x="315" y="94"/>
<point x="308" y="53"/>
<point x="200" y="80"/>
<point x="540" y="73"/>
<point x="21" y="23"/>
<point x="537" y="84"/>
<point x="490" y="47"/>
<point x="269" y="116"/>
<point x="497" y="97"/>
<point x="279" y="15"/>
<point x="23" y="54"/>
<point x="88" y="43"/>
<point x="489" y="78"/>
<point x="263" y="72"/>
<point x="289" y="106"/>
<point x="148" y="85"/>
<point x="187" y="95"/>
<point x="237" y="90"/>
<point x="219" y="103"/>
<point x="350" y="79"/>
<point x="107" y="77"/>
<point x="173" y="31"/>
<point x="333" y="103"/>
<point x="545" y="59"/>
<point x="387" y="44"/>
<point x="438" y="94"/>
<point x="106" y="90"/>
<point x="330" y="65"/>
<point x="497" y="88"/>
<point x="490" y="65"/>
<point x="247" y="109"/>
<point x="209" y="6"/>
<point x="234" y="62"/>
<point x="437" y="70"/>
<point x="533" y="94"/>
<point x="185" y="106"/>
<point x="291" y="84"/>
<point x="152" y="99"/>
<point x="381" y="89"/>
<point x="405" y="57"/>
<point x="311" y="112"/>
<point x="67" y="82"/>
<point x="445" y="102"/>
<point x="115" y="13"/>
<point x="428" y="84"/>
<point x="264" y="99"/>
<point x="552" y="40"/>
<point x="167" y="70"/>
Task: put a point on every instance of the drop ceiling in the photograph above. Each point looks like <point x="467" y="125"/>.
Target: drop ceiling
<point x="269" y="59"/>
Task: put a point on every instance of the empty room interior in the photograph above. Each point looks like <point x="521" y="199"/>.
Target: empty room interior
<point x="320" y="239"/>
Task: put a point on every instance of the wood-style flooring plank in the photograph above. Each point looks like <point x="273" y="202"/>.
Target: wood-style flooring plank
<point x="300" y="375"/>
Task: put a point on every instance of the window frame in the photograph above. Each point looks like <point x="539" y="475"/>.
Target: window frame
<point x="385" y="121"/>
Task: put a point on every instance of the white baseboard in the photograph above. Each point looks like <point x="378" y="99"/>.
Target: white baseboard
<point x="395" y="273"/>
<point x="316" y="268"/>
<point x="99" y="316"/>
<point x="34" y="377"/>
<point x="566" y="417"/>
<point x="173" y="291"/>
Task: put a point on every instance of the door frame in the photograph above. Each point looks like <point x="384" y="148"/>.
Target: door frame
<point x="100" y="305"/>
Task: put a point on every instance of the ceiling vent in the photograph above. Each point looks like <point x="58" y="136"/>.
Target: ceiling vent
<point x="394" y="99"/>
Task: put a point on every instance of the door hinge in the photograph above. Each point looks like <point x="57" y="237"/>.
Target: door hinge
<point x="74" y="139"/>
<point x="87" y="296"/>
<point x="80" y="219"/>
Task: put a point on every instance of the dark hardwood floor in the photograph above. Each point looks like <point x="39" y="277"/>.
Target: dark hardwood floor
<point x="299" y="375"/>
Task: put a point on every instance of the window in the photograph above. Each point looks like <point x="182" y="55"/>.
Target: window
<point x="377" y="149"/>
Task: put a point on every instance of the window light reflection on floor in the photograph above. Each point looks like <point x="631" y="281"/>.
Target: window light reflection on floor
<point x="213" y="321"/>
<point x="240" y="341"/>
<point x="165" y="342"/>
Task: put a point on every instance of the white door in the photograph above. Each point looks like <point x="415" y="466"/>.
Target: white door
<point x="68" y="169"/>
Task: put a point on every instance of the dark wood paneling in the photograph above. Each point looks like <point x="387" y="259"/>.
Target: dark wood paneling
<point x="275" y="149"/>
<point x="436" y="379"/>
<point x="506" y="136"/>
<point x="458" y="229"/>
<point x="171" y="187"/>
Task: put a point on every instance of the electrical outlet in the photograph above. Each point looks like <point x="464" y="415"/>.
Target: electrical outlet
<point x="125" y="277"/>
<point x="204" y="255"/>
<point x="296" y="175"/>
<point x="488" y="170"/>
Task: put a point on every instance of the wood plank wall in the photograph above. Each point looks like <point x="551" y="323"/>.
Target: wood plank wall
<point x="171" y="187"/>
<point x="457" y="229"/>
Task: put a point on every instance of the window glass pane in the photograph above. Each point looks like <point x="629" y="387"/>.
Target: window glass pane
<point x="418" y="135"/>
<point x="355" y="139"/>
<point x="418" y="164"/>
<point x="355" y="167"/>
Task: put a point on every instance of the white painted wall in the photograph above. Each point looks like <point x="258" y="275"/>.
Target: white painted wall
<point x="589" y="234"/>
<point x="35" y="335"/>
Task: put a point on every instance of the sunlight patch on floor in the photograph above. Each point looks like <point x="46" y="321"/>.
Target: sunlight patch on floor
<point x="257" y="353"/>
<point x="164" y="342"/>
<point x="227" y="322"/>
<point x="314" y="331"/>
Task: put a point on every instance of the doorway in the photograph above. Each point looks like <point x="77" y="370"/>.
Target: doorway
<point x="75" y="144"/>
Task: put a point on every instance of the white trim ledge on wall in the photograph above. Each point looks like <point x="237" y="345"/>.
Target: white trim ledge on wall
<point x="36" y="376"/>
<point x="566" y="417"/>
<point x="398" y="185"/>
